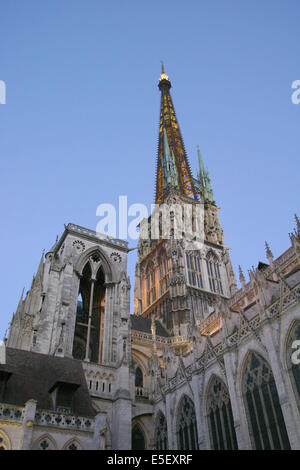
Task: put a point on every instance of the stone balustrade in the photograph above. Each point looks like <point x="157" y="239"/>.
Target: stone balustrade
<point x="98" y="235"/>
<point x="61" y="420"/>
<point x="173" y="340"/>
<point x="11" y="413"/>
<point x="47" y="418"/>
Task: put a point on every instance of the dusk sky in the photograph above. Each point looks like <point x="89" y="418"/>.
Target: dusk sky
<point x="80" y="123"/>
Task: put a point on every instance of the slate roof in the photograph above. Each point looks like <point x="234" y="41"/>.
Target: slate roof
<point x="144" y="324"/>
<point x="33" y="374"/>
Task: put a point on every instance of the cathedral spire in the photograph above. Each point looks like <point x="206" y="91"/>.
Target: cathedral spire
<point x="203" y="183"/>
<point x="169" y="132"/>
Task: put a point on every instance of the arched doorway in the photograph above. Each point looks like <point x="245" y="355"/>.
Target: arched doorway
<point x="138" y="439"/>
<point x="161" y="432"/>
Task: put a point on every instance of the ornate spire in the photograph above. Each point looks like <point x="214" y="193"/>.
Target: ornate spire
<point x="168" y="125"/>
<point x="203" y="182"/>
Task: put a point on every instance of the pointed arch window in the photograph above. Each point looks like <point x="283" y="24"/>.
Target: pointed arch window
<point x="163" y="274"/>
<point x="187" y="437"/>
<point x="194" y="270"/>
<point x="161" y="432"/>
<point x="263" y="408"/>
<point x="213" y="271"/>
<point x="88" y="336"/>
<point x="151" y="289"/>
<point x="293" y="368"/>
<point x="220" y="418"/>
<point x="45" y="444"/>
<point x="138" y="377"/>
<point x="72" y="446"/>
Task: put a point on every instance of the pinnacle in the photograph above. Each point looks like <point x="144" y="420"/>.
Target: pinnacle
<point x="297" y="224"/>
<point x="241" y="276"/>
<point x="268" y="251"/>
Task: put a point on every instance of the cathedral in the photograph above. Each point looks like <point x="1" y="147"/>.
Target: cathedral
<point x="199" y="364"/>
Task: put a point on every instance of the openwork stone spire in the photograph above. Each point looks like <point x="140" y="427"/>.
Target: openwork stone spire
<point x="168" y="125"/>
<point x="203" y="182"/>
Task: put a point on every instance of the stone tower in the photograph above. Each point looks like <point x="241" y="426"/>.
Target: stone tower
<point x="78" y="307"/>
<point x="183" y="265"/>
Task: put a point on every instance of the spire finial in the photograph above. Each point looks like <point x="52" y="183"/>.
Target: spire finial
<point x="164" y="79"/>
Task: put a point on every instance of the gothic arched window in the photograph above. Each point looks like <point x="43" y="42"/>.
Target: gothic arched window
<point x="90" y="314"/>
<point x="161" y="432"/>
<point x="220" y="417"/>
<point x="213" y="271"/>
<point x="262" y="405"/>
<point x="138" y="377"/>
<point x="194" y="269"/>
<point x="138" y="439"/>
<point x="187" y="436"/>
<point x="293" y="367"/>
<point x="150" y="284"/>
<point x="163" y="273"/>
<point x="45" y="444"/>
<point x="72" y="445"/>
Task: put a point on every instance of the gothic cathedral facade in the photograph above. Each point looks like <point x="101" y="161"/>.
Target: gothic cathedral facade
<point x="200" y="364"/>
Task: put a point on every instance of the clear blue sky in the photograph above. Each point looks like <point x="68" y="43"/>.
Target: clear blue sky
<point x="81" y="121"/>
